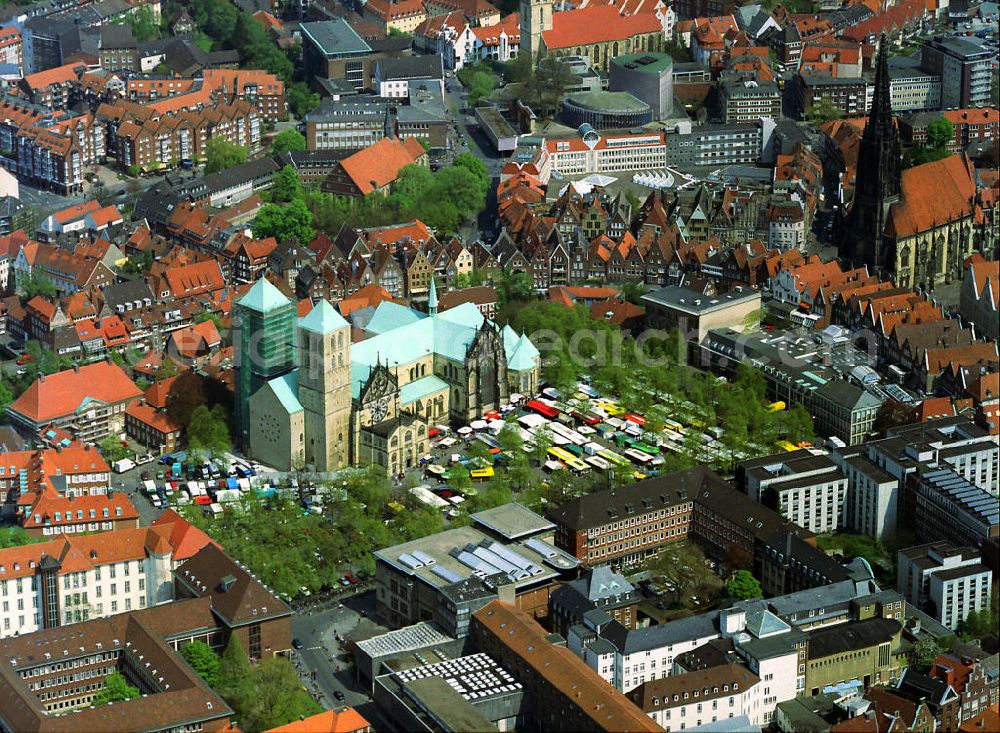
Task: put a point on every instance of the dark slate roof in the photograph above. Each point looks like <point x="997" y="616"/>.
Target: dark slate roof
<point x="252" y="170"/>
<point x="851" y="636"/>
<point x="410" y="67"/>
<point x="237" y="596"/>
<point x="129" y="291"/>
<point x="117" y="36"/>
<point x="601" y="507"/>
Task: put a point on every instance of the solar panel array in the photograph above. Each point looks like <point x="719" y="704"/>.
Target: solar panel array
<point x="965" y="493"/>
<point x="474" y="677"/>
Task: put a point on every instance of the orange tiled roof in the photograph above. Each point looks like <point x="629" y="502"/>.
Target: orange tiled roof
<point x="58" y="75"/>
<point x="378" y="165"/>
<point x="77" y="211"/>
<point x="156" y="420"/>
<point x="933" y="194"/>
<point x="45" y="508"/>
<point x="62" y="393"/>
<point x="597" y="24"/>
<point x="342" y="720"/>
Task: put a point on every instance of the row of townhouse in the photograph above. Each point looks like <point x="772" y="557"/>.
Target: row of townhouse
<point x="142" y="142"/>
<point x="49" y="149"/>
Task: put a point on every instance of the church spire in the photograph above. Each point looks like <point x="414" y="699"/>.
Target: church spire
<point x="878" y="176"/>
<point x="432" y="299"/>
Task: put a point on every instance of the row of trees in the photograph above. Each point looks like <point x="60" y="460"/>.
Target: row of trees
<point x="290" y="549"/>
<point x="264" y="696"/>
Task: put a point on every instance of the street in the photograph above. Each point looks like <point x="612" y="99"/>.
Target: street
<point x="320" y="631"/>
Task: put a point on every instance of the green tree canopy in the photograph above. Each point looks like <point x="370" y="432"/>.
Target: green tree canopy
<point x="301" y="99"/>
<point x="112" y="449"/>
<point x="208" y="431"/>
<point x="744" y="585"/>
<point x="203" y="660"/>
<point x="940" y="133"/>
<point x="15" y="536"/>
<point x="221" y="154"/>
<point x="116" y="689"/>
<point x="289" y="140"/>
<point x="233" y="680"/>
<point x="823" y="111"/>
<point x="36" y="283"/>
<point x="286" y="186"/>
<point x="278" y="697"/>
<point x="284" y="222"/>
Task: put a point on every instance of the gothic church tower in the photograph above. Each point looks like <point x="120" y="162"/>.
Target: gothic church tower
<point x="877" y="185"/>
<point x="536" y="17"/>
<point x="325" y="386"/>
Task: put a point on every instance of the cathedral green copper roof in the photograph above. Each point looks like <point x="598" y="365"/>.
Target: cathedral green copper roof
<point x="286" y="389"/>
<point x="263" y="297"/>
<point x="323" y="319"/>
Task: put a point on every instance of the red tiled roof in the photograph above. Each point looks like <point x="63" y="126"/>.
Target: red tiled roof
<point x="597" y="24"/>
<point x="43" y="512"/>
<point x="341" y="720"/>
<point x="933" y="194"/>
<point x="77" y="211"/>
<point x="57" y="395"/>
<point x="157" y="420"/>
<point x="57" y="75"/>
<point x="378" y="165"/>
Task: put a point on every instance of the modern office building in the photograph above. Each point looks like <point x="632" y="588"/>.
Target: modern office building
<point x="965" y="68"/>
<point x="647" y="76"/>
<point x="947" y="582"/>
<point x="807" y="489"/>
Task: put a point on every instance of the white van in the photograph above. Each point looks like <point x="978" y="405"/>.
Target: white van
<point x="123" y="465"/>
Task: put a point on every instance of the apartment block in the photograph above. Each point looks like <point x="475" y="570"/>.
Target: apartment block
<point x="701" y="697"/>
<point x="75" y="578"/>
<point x="809" y="490"/>
<point x="947" y="582"/>
<point x="625" y="528"/>
<point x="941" y="504"/>
<point x="965" y="68"/>
<point x="748" y="101"/>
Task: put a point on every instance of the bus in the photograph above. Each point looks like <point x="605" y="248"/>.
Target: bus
<point x="637" y="456"/>
<point x="674" y="425"/>
<point x="542" y="409"/>
<point x="646" y="448"/>
<point x="613" y="458"/>
<point x="571" y="462"/>
<point x="597" y="462"/>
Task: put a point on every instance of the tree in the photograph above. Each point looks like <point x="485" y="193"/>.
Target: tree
<point x="681" y="568"/>
<point x="233" y="680"/>
<point x="17" y="536"/>
<point x="823" y="111"/>
<point x="923" y="654"/>
<point x="286" y="186"/>
<point x="940" y="133"/>
<point x="284" y="222"/>
<point x="116" y="689"/>
<point x="36" y="283"/>
<point x="301" y="99"/>
<point x="143" y="23"/>
<point x="208" y="431"/>
<point x="203" y="660"/>
<point x="475" y="166"/>
<point x="288" y="140"/>
<point x="221" y="154"/>
<point x="112" y="449"/>
<point x="482" y="86"/>
<point x="278" y="697"/>
<point x="744" y="585"/>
